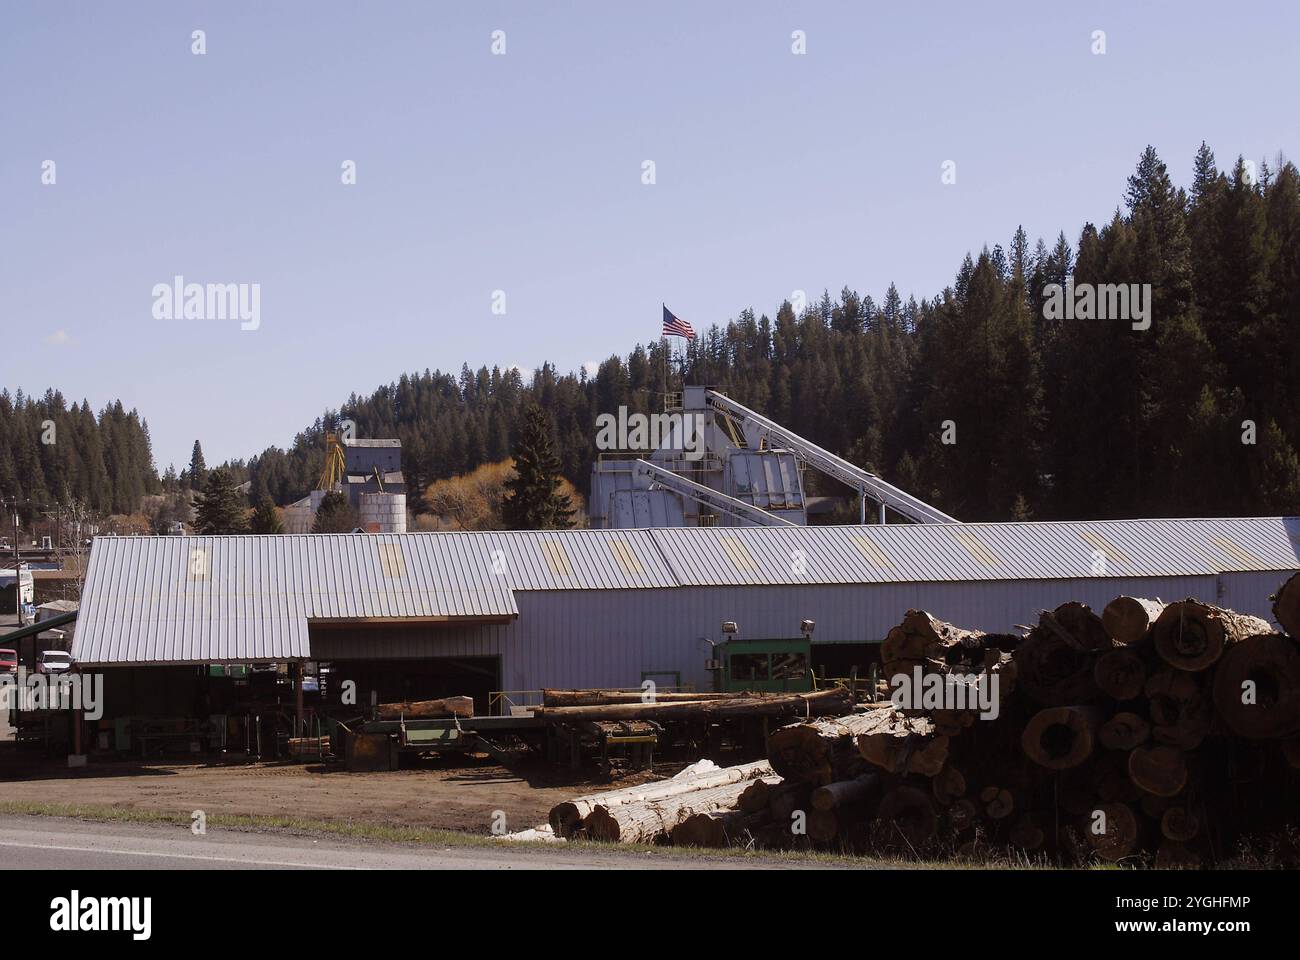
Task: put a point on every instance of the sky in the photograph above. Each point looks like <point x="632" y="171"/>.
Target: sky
<point x="524" y="172"/>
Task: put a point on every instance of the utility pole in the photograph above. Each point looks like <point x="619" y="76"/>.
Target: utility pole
<point x="12" y="505"/>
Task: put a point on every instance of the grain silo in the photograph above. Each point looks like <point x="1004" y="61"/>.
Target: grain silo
<point x="382" y="512"/>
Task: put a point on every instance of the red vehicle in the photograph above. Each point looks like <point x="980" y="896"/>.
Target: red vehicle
<point x="8" y="661"/>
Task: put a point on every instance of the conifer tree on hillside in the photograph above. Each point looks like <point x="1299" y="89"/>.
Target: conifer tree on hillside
<point x="335" y="515"/>
<point x="265" y="518"/>
<point x="220" y="509"/>
<point x="1056" y="417"/>
<point x="533" y="501"/>
<point x="198" y="472"/>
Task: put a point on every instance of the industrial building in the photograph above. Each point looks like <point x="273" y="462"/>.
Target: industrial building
<point x="708" y="460"/>
<point x="369" y="473"/>
<point x="17" y="591"/>
<point x="464" y="612"/>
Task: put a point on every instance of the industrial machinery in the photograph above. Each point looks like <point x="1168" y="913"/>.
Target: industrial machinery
<point x="721" y="463"/>
<point x="662" y="478"/>
<point x="332" y="475"/>
<point x="376" y="744"/>
<point x="781" y="665"/>
<point x="368" y="472"/>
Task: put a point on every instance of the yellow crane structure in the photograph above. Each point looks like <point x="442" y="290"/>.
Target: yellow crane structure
<point x="335" y="465"/>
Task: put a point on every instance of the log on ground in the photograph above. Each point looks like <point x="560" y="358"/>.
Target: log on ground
<point x="647" y="820"/>
<point x="567" y="817"/>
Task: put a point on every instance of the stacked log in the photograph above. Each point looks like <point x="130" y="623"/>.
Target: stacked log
<point x="1286" y="606"/>
<point x="1191" y="635"/>
<point x="1098" y="755"/>
<point x="819" y="703"/>
<point x="426" y="709"/>
<point x="592" y="698"/>
<point x="1156" y="733"/>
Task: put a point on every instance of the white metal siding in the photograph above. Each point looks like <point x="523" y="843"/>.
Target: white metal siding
<point x="611" y="638"/>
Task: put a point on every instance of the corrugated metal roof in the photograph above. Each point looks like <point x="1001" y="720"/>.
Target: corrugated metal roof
<point x="371" y="442"/>
<point x="572" y="559"/>
<point x="201" y="599"/>
<point x="901" y="553"/>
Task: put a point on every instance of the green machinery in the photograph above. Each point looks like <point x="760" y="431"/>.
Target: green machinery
<point x="376" y="744"/>
<point x="768" y="666"/>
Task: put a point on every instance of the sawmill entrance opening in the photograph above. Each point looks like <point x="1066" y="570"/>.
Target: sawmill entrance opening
<point x="390" y="663"/>
<point x="839" y="660"/>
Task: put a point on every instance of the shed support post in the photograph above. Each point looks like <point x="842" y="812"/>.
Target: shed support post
<point x="297" y="698"/>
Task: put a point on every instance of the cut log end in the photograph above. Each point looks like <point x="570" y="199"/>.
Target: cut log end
<point x="1128" y="620"/>
<point x="1257" y="687"/>
<point x="1120" y="673"/>
<point x="1158" y="769"/>
<point x="1192" y="636"/>
<point x="1059" y="738"/>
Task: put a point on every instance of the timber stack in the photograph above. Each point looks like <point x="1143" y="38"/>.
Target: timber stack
<point x="1152" y="733"/>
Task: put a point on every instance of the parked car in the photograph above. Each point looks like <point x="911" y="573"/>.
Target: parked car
<point x="54" y="661"/>
<point x="8" y="661"/>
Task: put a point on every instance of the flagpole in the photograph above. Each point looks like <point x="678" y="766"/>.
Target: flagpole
<point x="664" y="338"/>
<point x="665" y="353"/>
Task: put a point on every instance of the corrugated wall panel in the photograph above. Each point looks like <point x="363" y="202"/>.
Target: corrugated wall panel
<point x="611" y="638"/>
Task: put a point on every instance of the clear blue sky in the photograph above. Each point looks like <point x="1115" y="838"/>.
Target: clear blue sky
<point x="522" y="173"/>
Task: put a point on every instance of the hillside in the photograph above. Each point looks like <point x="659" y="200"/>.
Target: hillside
<point x="1052" y="417"/>
<point x="1188" y="410"/>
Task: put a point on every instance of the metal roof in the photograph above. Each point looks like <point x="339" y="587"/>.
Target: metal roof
<point x="207" y="599"/>
<point x="571" y="559"/>
<point x="921" y="553"/>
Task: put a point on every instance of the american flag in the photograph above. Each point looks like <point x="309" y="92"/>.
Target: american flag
<point x="675" y="326"/>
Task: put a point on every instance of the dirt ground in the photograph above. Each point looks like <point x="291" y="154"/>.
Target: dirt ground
<point x="451" y="795"/>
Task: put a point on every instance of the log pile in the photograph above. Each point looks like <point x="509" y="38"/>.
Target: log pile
<point x="1154" y="733"/>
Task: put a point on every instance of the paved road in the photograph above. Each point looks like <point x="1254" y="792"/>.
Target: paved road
<point x="51" y="843"/>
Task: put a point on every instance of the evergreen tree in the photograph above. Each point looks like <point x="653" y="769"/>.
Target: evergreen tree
<point x="265" y="518"/>
<point x="533" y="502"/>
<point x="220" y="509"/>
<point x="335" y="515"/>
<point x="198" y="472"/>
